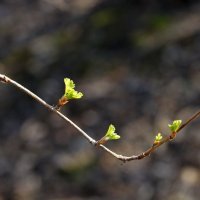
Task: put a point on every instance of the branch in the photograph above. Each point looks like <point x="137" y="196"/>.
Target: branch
<point x="7" y="80"/>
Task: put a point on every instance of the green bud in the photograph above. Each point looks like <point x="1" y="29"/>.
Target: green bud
<point x="158" y="137"/>
<point x="175" y="125"/>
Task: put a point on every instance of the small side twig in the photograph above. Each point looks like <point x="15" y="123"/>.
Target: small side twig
<point x="123" y="158"/>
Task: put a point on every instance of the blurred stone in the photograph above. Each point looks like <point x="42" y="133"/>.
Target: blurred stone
<point x="33" y="131"/>
<point x="5" y="167"/>
<point x="145" y="192"/>
<point x="190" y="176"/>
<point x="24" y="165"/>
<point x="27" y="188"/>
<point x="75" y="161"/>
<point x="98" y="88"/>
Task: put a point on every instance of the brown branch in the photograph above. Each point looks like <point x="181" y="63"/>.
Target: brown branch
<point x="123" y="158"/>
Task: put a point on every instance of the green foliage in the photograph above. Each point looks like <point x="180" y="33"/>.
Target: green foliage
<point x="159" y="22"/>
<point x="103" y="18"/>
<point x="70" y="92"/>
<point x="111" y="135"/>
<point x="175" y="125"/>
<point x="158" y="137"/>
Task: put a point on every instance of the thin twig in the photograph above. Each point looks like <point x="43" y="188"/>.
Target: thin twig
<point x="123" y="158"/>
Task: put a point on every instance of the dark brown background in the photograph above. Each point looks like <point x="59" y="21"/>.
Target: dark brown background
<point x="138" y="64"/>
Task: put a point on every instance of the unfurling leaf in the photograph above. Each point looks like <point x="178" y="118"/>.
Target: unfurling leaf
<point x="111" y="135"/>
<point x="175" y="125"/>
<point x="70" y="92"/>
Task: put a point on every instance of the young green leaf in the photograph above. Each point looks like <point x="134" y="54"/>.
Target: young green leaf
<point x="70" y="92"/>
<point x="158" y="137"/>
<point x="175" y="125"/>
<point x="111" y="135"/>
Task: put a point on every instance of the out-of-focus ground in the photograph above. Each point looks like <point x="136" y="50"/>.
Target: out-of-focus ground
<point x="138" y="64"/>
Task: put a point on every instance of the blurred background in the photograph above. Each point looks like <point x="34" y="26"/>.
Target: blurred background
<point x="138" y="65"/>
